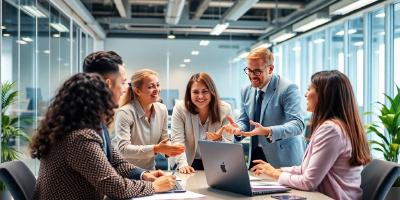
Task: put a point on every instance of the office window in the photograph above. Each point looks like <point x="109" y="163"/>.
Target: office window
<point x="295" y="49"/>
<point x="76" y="65"/>
<point x="318" y="45"/>
<point x="278" y="60"/>
<point x="9" y="65"/>
<point x="355" y="69"/>
<point x="287" y="66"/>
<point x="43" y="58"/>
<point x="336" y="54"/>
<point x="396" y="45"/>
<point x="378" y="56"/>
<point x="83" y="46"/>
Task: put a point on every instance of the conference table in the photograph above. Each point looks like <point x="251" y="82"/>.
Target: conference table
<point x="197" y="183"/>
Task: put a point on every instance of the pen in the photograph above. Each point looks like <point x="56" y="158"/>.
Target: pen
<point x="174" y="168"/>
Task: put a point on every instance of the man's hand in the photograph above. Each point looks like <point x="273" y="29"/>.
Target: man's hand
<point x="232" y="127"/>
<point x="258" y="130"/>
<point x="153" y="175"/>
<point x="215" y="136"/>
<point x="165" y="147"/>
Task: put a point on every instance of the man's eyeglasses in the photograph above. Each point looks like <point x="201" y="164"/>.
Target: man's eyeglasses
<point x="256" y="72"/>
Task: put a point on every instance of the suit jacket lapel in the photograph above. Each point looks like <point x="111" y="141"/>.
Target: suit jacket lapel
<point x="268" y="95"/>
<point x="108" y="142"/>
<point x="195" y="124"/>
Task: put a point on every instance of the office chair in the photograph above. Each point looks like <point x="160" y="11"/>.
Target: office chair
<point x="377" y="178"/>
<point x="18" y="178"/>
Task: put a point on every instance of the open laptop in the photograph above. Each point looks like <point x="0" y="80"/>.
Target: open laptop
<point x="225" y="169"/>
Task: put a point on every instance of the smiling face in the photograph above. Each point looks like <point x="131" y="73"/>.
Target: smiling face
<point x="200" y="95"/>
<point x="149" y="91"/>
<point x="312" y="98"/>
<point x="255" y="66"/>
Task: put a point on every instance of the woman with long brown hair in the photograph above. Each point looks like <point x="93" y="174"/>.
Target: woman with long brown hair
<point x="200" y="116"/>
<point x="338" y="147"/>
<point x="141" y="122"/>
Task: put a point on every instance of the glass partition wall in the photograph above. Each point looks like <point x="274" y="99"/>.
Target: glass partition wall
<point x="39" y="50"/>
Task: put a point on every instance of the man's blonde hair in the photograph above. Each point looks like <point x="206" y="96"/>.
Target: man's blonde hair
<point x="263" y="54"/>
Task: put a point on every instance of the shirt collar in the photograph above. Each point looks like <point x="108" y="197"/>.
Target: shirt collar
<point x="139" y="110"/>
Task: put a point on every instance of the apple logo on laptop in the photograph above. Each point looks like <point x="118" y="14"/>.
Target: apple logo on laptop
<point x="223" y="168"/>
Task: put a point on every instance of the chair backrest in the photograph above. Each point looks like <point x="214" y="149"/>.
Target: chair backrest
<point x="377" y="178"/>
<point x="18" y="178"/>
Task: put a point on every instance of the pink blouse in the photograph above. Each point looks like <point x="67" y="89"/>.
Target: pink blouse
<point x="325" y="166"/>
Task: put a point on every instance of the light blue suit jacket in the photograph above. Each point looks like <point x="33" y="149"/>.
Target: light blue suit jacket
<point x="280" y="111"/>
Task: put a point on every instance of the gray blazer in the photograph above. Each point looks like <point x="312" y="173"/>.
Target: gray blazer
<point x="185" y="130"/>
<point x="281" y="111"/>
<point x="135" y="137"/>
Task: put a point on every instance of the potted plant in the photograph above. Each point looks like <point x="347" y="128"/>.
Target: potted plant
<point x="9" y="128"/>
<point x="387" y="128"/>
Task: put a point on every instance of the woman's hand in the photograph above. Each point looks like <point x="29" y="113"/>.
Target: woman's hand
<point x="186" y="170"/>
<point x="215" y="136"/>
<point x="265" y="168"/>
<point x="258" y="130"/>
<point x="164" y="183"/>
<point x="153" y="175"/>
<point x="165" y="147"/>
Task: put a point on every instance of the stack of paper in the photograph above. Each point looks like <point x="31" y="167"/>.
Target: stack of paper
<point x="184" y="195"/>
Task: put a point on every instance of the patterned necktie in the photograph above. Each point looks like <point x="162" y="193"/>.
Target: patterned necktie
<point x="257" y="113"/>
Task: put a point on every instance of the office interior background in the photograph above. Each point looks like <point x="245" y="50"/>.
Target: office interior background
<point x="43" y="42"/>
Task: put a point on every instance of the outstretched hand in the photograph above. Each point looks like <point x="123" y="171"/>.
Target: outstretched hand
<point x="258" y="129"/>
<point x="232" y="127"/>
<point x="215" y="136"/>
<point x="165" y="147"/>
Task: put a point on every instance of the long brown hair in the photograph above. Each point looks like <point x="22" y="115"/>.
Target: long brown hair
<point x="136" y="82"/>
<point x="336" y="102"/>
<point x="213" y="107"/>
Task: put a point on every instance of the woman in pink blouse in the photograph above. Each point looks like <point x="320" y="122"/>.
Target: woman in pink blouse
<point x="338" y="148"/>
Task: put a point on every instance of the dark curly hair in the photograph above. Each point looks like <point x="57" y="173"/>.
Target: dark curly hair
<point x="84" y="101"/>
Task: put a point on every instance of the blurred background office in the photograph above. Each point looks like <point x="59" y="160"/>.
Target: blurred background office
<point x="43" y="42"/>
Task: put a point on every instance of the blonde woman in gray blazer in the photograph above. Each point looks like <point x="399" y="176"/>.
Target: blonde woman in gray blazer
<point x="201" y="116"/>
<point x="141" y="123"/>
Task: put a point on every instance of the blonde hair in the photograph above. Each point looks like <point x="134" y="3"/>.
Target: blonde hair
<point x="263" y="54"/>
<point x="136" y="82"/>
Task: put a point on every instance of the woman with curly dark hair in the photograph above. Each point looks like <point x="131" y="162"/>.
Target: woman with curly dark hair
<point x="74" y="162"/>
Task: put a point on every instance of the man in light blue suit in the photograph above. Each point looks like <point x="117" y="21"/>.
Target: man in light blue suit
<point x="270" y="114"/>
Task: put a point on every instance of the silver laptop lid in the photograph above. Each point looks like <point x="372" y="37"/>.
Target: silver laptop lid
<point x="225" y="167"/>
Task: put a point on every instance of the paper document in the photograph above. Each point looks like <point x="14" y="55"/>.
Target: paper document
<point x="266" y="185"/>
<point x="254" y="178"/>
<point x="184" y="195"/>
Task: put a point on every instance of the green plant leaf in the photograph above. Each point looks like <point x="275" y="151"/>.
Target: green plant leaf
<point x="379" y="134"/>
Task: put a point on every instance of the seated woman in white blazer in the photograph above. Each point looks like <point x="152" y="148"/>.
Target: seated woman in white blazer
<point x="200" y="116"/>
<point x="141" y="122"/>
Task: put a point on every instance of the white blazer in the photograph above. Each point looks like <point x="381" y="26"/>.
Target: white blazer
<point x="185" y="130"/>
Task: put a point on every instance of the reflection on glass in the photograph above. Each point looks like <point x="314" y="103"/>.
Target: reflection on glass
<point x="378" y="56"/>
<point x="397" y="45"/>
<point x="277" y="51"/>
<point x="356" y="57"/>
<point x="83" y="47"/>
<point x="337" y="48"/>
<point x="9" y="66"/>
<point x="43" y="54"/>
<point x="75" y="47"/>
<point x="318" y="45"/>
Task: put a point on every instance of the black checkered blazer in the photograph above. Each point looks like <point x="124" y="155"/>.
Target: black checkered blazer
<point x="77" y="168"/>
